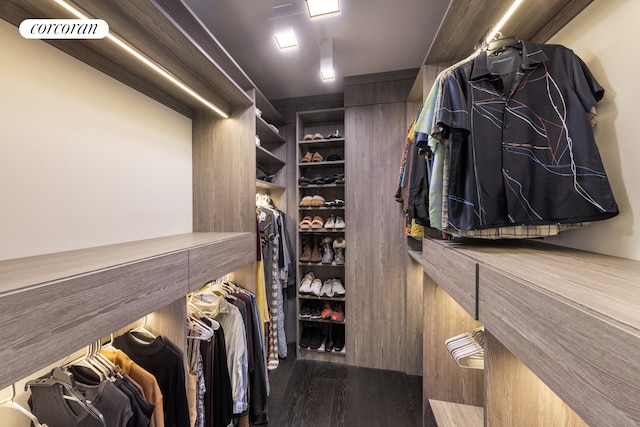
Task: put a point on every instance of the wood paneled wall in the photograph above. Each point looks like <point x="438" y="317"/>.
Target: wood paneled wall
<point x="376" y="275"/>
<point x="224" y="185"/>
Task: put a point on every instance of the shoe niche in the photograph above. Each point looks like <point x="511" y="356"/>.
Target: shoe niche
<point x="321" y="301"/>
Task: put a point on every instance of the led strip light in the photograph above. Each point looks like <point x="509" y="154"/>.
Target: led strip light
<point x="147" y="62"/>
<point x="504" y="19"/>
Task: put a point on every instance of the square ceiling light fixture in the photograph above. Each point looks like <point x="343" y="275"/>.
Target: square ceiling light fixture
<point x="326" y="60"/>
<point x="322" y="8"/>
<point x="286" y="39"/>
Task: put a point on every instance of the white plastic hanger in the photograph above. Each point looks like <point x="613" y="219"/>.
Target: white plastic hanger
<point x="143" y="329"/>
<point x="10" y="403"/>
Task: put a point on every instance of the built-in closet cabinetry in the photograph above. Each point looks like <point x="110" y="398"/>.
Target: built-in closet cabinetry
<point x="542" y="364"/>
<point x="55" y="304"/>
<point x="320" y="137"/>
<point x="560" y="324"/>
<point x="270" y="146"/>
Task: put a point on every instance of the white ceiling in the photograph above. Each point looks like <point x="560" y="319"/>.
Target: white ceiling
<point x="369" y="36"/>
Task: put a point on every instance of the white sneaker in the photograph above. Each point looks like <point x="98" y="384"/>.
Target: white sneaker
<point x="339" y="224"/>
<point x="316" y="286"/>
<point x="337" y="288"/>
<point x="305" y="285"/>
<point x="327" y="288"/>
<point x="330" y="223"/>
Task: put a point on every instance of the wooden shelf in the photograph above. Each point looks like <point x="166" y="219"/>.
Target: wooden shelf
<point x="269" y="113"/>
<point x="570" y="316"/>
<point x="268" y="136"/>
<point x="534" y="20"/>
<point x="416" y="256"/>
<point x="449" y="414"/>
<point x="269" y="186"/>
<point x="55" y="304"/>
<point x="267" y="159"/>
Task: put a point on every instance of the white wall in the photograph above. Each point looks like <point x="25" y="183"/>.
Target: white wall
<point x="605" y="35"/>
<point x="84" y="159"/>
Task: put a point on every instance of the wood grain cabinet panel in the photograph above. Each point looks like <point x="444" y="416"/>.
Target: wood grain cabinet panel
<point x="453" y="271"/>
<point x="210" y="262"/>
<point x="53" y="305"/>
<point x="585" y="356"/>
<point x="45" y="322"/>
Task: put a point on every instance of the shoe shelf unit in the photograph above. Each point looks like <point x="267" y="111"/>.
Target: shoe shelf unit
<point x="270" y="145"/>
<point x="320" y="238"/>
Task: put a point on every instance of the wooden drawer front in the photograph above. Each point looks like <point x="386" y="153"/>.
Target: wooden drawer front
<point x="453" y="271"/>
<point x="44" y="323"/>
<point x="584" y="358"/>
<point x="210" y="262"/>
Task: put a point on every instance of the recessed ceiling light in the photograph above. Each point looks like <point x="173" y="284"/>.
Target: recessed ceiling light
<point x="322" y="8"/>
<point x="286" y="39"/>
<point x="326" y="59"/>
<point x="327" y="74"/>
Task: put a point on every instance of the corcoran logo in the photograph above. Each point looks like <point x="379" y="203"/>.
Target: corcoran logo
<point x="64" y="29"/>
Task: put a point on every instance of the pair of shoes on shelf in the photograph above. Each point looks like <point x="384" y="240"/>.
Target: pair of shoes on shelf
<point x="312" y="136"/>
<point x="334" y="135"/>
<point x="312" y="201"/>
<point x="334" y="158"/>
<point x="335" y="338"/>
<point x="334" y="203"/>
<point x="334" y="314"/>
<point x="310" y="249"/>
<point x="303" y="181"/>
<point x="329" y="179"/>
<point x="311" y="223"/>
<point x="332" y="288"/>
<point x="312" y="336"/>
<point x="311" y="310"/>
<point x="334" y="223"/>
<point x="312" y="157"/>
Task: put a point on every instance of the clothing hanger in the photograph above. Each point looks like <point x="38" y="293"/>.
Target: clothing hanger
<point x="498" y="46"/>
<point x="195" y="311"/>
<point x="467" y="349"/>
<point x="101" y="360"/>
<point x="87" y="362"/>
<point x="65" y="378"/>
<point x="143" y="329"/>
<point x="10" y="403"/>
<point x="201" y="330"/>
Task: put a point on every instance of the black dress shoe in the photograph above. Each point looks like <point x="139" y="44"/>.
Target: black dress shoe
<point x="328" y="343"/>
<point x="338" y="344"/>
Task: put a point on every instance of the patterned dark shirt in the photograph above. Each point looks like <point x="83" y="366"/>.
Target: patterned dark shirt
<point x="522" y="150"/>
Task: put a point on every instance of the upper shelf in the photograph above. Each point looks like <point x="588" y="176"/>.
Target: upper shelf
<point x="99" y="290"/>
<point x="269" y="113"/>
<point x="165" y="31"/>
<point x="534" y="20"/>
<point x="267" y="135"/>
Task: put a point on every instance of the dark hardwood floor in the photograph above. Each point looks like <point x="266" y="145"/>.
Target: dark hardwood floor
<point x="317" y="394"/>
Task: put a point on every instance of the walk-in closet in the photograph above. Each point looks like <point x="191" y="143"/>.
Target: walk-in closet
<point x="413" y="213"/>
